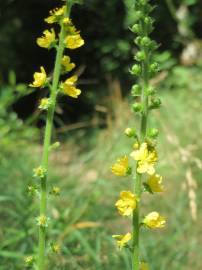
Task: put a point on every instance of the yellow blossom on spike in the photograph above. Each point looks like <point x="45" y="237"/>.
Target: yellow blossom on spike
<point x="66" y="62"/>
<point x="74" y="41"/>
<point x="39" y="78"/>
<point x="146" y="159"/>
<point x="55" y="15"/>
<point x="68" y="87"/>
<point x="153" y="220"/>
<point x="127" y="203"/>
<point x="121" y="167"/>
<point x="122" y="239"/>
<point x="144" y="266"/>
<point x="47" y="39"/>
<point x="155" y="183"/>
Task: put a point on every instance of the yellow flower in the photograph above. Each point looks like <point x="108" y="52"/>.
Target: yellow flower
<point x="47" y="39"/>
<point x="146" y="159"/>
<point x="127" y="203"/>
<point x="39" y="78"/>
<point x="55" y="15"/>
<point x="74" y="41"/>
<point x="68" y="87"/>
<point x="66" y="62"/>
<point x="153" y="220"/>
<point x="122" y="239"/>
<point x="144" y="266"/>
<point x="155" y="183"/>
<point x="121" y="167"/>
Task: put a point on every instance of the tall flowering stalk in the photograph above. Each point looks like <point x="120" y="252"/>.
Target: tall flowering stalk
<point x="68" y="38"/>
<point x="144" y="153"/>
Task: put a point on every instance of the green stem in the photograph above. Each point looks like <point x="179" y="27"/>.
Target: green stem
<point x="47" y="143"/>
<point x="138" y="179"/>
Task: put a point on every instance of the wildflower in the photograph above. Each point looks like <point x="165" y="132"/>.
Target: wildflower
<point x="130" y="132"/>
<point x="45" y="104"/>
<point x="47" y="39"/>
<point x="55" y="248"/>
<point x="146" y="159"/>
<point x="144" y="266"/>
<point x="155" y="183"/>
<point x="55" y="191"/>
<point x="39" y="78"/>
<point x="42" y="221"/>
<point x="68" y="87"/>
<point x="55" y="15"/>
<point x="127" y="203"/>
<point x="74" y="41"/>
<point x="122" y="239"/>
<point x="39" y="172"/>
<point x="66" y="62"/>
<point x="153" y="220"/>
<point x="121" y="168"/>
<point x="29" y="260"/>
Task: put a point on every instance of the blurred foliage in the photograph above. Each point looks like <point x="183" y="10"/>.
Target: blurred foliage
<point x="13" y="130"/>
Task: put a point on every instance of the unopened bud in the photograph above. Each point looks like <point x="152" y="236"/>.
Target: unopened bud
<point x="137" y="107"/>
<point x="130" y="132"/>
<point x="136" y="90"/>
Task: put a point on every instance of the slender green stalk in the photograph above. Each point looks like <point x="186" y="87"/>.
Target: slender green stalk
<point x="47" y="143"/>
<point x="144" y="153"/>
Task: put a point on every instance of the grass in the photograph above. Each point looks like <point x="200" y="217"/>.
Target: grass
<point x="84" y="217"/>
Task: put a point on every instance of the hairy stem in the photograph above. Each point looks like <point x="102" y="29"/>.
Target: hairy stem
<point x="47" y="143"/>
<point x="138" y="178"/>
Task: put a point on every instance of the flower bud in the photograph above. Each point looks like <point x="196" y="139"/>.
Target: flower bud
<point x="55" y="248"/>
<point x="154" y="68"/>
<point x="29" y="260"/>
<point x="130" y="132"/>
<point x="149" y="23"/>
<point x="139" y="15"/>
<point x="155" y="103"/>
<point x="150" y="91"/>
<point x="153" y="132"/>
<point x="145" y="41"/>
<point x="137" y="107"/>
<point x="136" y="69"/>
<point x="136" y="90"/>
<point x="136" y="28"/>
<point x="138" y="41"/>
<point x="140" y="56"/>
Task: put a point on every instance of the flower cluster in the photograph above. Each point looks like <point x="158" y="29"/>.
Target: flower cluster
<point x="144" y="154"/>
<point x="71" y="40"/>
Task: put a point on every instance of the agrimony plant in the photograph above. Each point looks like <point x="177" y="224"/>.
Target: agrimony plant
<point x="68" y="38"/>
<point x="144" y="153"/>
